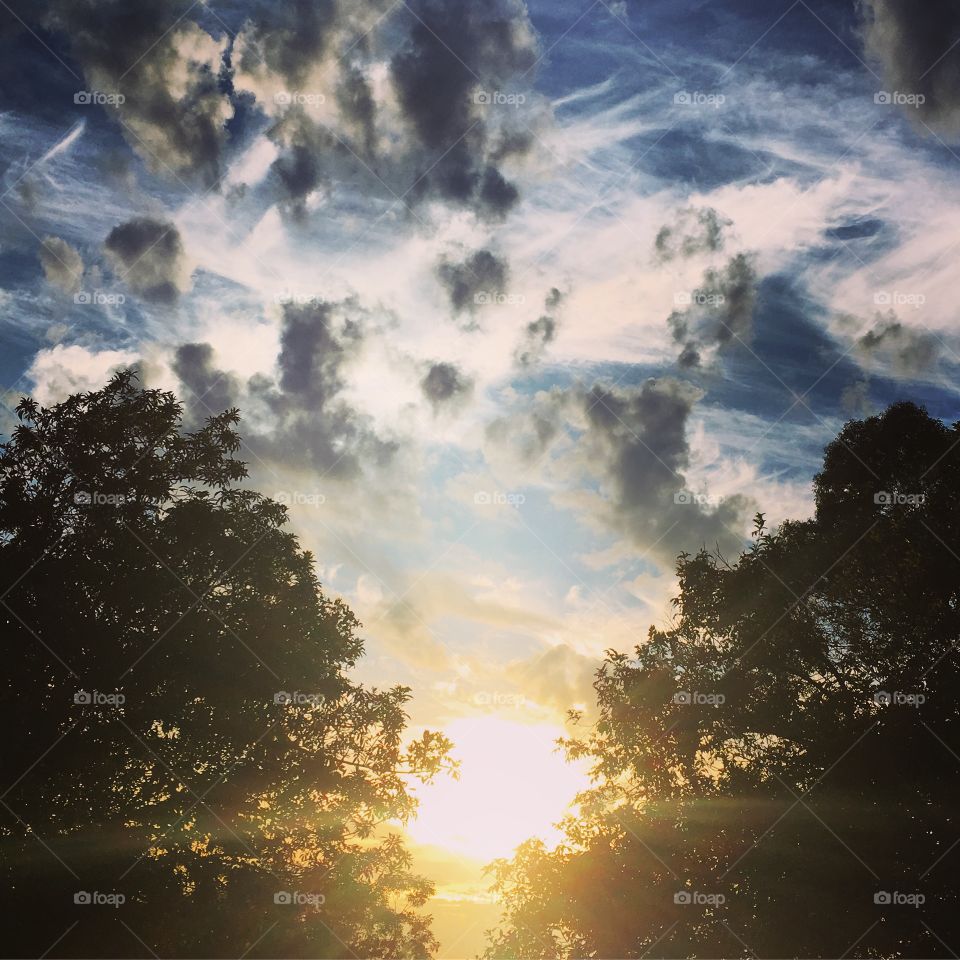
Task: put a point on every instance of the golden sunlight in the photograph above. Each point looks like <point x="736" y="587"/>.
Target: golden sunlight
<point x="514" y="784"/>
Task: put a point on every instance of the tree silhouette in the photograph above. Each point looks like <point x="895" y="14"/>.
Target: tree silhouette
<point x="776" y="774"/>
<point x="180" y="733"/>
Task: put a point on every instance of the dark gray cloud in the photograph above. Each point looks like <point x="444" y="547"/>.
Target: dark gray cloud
<point x="302" y="418"/>
<point x="287" y="38"/>
<point x="718" y="313"/>
<point x="631" y="446"/>
<point x="908" y="352"/>
<point x="636" y="444"/>
<point x="916" y="44"/>
<point x="443" y="132"/>
<point x="62" y="264"/>
<point x="539" y="333"/>
<point x="458" y="57"/>
<point x="444" y="383"/>
<point x="474" y="281"/>
<point x="165" y="67"/>
<point x="208" y="390"/>
<point x="693" y="231"/>
<point x="148" y="255"/>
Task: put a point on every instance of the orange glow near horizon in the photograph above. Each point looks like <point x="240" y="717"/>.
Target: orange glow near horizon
<point x="514" y="784"/>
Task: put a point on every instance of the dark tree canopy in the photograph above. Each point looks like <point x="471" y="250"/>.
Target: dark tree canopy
<point x="777" y="774"/>
<point x="153" y="610"/>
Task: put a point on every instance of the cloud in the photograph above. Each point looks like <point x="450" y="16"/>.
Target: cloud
<point x="444" y="383"/>
<point x="909" y="353"/>
<point x="617" y="458"/>
<point x="916" y="46"/>
<point x="458" y="59"/>
<point x="149" y="256"/>
<point x="475" y="281"/>
<point x="694" y="231"/>
<point x="63" y="370"/>
<point x="559" y="677"/>
<point x="62" y="264"/>
<point x="540" y="333"/>
<point x="298" y="417"/>
<point x="720" y="311"/>
<point x="536" y="337"/>
<point x="424" y="104"/>
<point x="209" y="391"/>
<point x="165" y="67"/>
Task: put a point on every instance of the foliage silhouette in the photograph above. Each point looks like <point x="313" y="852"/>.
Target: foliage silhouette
<point x="762" y="758"/>
<point x="133" y="565"/>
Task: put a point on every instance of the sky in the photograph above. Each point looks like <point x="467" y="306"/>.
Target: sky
<point x="518" y="301"/>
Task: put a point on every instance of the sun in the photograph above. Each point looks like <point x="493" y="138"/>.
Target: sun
<point x="514" y="784"/>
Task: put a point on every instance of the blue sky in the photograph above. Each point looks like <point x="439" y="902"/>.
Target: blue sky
<point x="517" y="301"/>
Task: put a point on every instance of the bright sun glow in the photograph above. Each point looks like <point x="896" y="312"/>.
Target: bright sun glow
<point x="513" y="785"/>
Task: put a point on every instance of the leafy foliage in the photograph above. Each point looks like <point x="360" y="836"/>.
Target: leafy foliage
<point x="789" y="750"/>
<point x="134" y="567"/>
